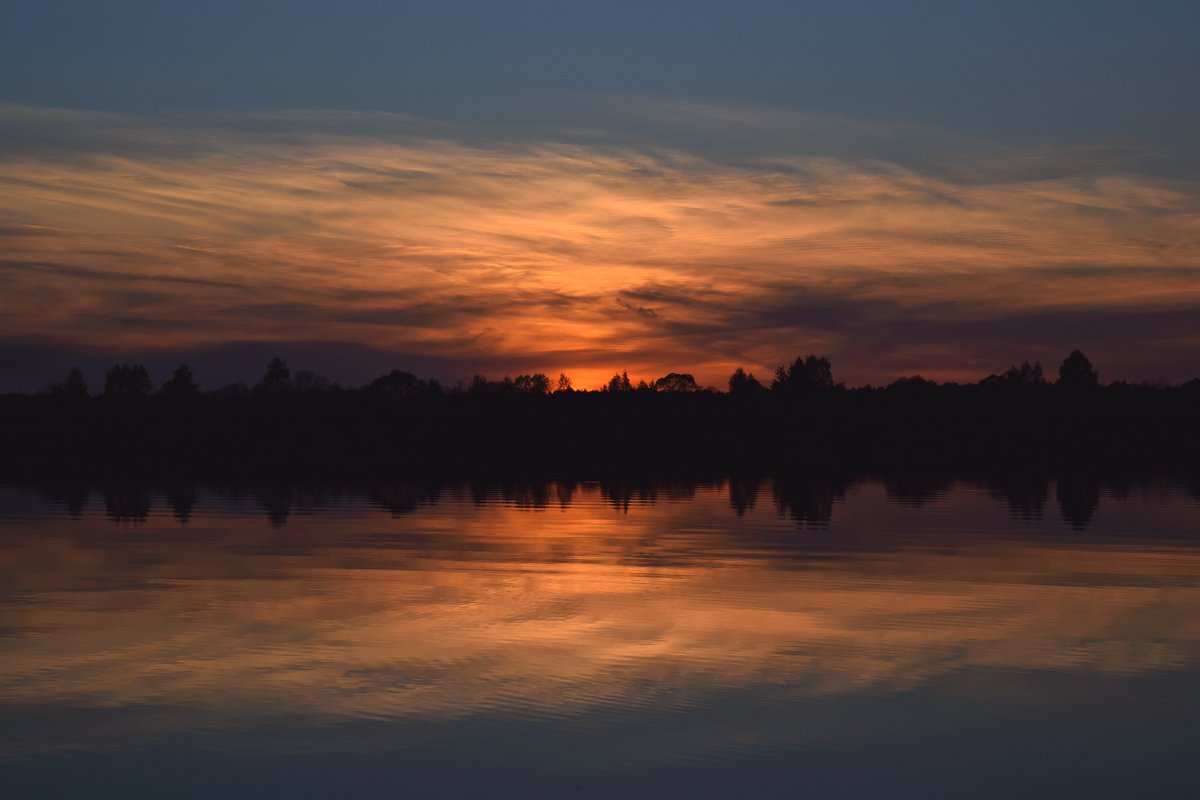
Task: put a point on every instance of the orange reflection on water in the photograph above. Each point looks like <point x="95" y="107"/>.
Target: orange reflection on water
<point x="460" y="609"/>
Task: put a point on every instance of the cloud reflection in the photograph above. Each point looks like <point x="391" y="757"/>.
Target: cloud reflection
<point x="462" y="609"/>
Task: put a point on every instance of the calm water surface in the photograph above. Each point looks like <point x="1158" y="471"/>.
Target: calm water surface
<point x="755" y="639"/>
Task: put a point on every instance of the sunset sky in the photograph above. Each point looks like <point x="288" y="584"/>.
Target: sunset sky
<point x="459" y="187"/>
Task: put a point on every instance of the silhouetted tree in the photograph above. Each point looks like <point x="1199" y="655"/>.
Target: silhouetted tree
<point x="564" y="383"/>
<point x="913" y="383"/>
<point x="127" y="380"/>
<point x="913" y="422"/>
<point x="74" y="385"/>
<point x="806" y="374"/>
<point x="235" y="389"/>
<point x="1026" y="374"/>
<point x="676" y="382"/>
<point x="743" y="383"/>
<point x="309" y="382"/>
<point x="532" y="384"/>
<point x="181" y="383"/>
<point x="277" y="379"/>
<point x="398" y="383"/>
<point x="619" y="383"/>
<point x="1077" y="372"/>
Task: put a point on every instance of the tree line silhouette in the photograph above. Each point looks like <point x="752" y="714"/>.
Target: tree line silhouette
<point x="806" y="374"/>
<point x="801" y="418"/>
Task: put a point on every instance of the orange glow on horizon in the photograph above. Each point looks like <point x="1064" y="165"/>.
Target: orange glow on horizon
<point x="567" y="258"/>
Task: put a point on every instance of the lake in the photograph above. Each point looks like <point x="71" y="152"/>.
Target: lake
<point x="823" y="637"/>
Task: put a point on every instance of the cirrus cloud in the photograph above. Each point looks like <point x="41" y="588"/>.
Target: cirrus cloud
<point x="183" y="235"/>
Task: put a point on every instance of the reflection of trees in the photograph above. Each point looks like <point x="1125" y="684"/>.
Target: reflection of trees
<point x="536" y="495"/>
<point x="404" y="497"/>
<point x="1025" y="494"/>
<point x="620" y="493"/>
<point x="565" y="492"/>
<point x="1078" y="499"/>
<point x="182" y="497"/>
<point x="677" y="490"/>
<point x="809" y="501"/>
<point x="1193" y="483"/>
<point x="531" y="495"/>
<point x="71" y="495"/>
<point x="127" y="504"/>
<point x="743" y="494"/>
<point x="277" y="501"/>
<point x="915" y="490"/>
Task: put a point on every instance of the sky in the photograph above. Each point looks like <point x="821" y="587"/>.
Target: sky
<point x="925" y="188"/>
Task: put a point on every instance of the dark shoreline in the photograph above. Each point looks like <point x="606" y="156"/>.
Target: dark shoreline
<point x="1119" y="429"/>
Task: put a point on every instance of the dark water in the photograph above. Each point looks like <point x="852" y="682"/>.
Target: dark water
<point x="755" y="639"/>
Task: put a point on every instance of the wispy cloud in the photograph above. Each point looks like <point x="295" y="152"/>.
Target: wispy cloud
<point x="408" y="236"/>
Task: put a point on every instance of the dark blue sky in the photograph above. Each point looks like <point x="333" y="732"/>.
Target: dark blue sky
<point x="1057" y="70"/>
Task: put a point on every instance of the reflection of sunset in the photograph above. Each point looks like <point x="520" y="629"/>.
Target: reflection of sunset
<point x="550" y="257"/>
<point x="456" y="611"/>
